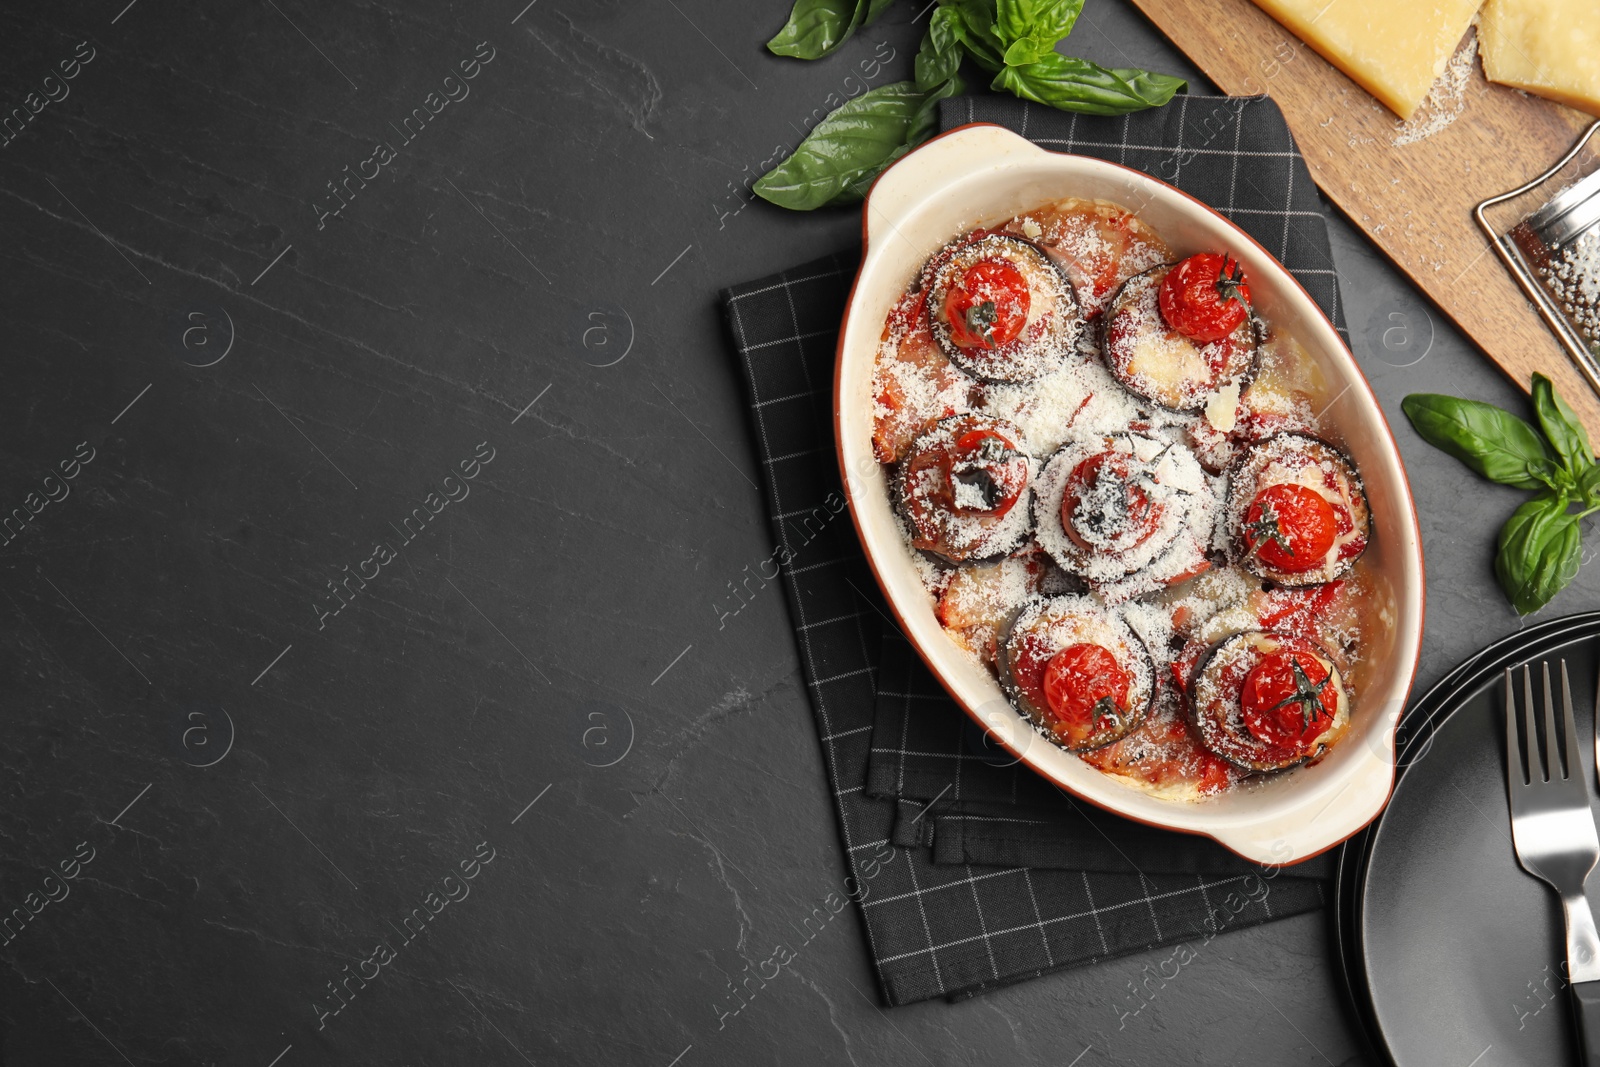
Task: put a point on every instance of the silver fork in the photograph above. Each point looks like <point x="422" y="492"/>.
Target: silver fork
<point x="1555" y="837"/>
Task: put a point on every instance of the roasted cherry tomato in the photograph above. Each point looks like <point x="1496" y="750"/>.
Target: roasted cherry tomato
<point x="1205" y="297"/>
<point x="1290" y="527"/>
<point x="988" y="307"/>
<point x="1288" y="699"/>
<point x="1081" y="684"/>
<point x="987" y="474"/>
<point x="1105" y="508"/>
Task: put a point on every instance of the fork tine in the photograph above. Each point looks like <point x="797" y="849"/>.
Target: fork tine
<point x="1516" y="773"/>
<point x="1569" y="727"/>
<point x="1530" y="729"/>
<point x="1552" y="744"/>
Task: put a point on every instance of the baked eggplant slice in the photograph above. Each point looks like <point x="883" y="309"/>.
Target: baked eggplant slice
<point x="1097" y="244"/>
<point x="964" y="488"/>
<point x="1266" y="701"/>
<point x="1154" y="361"/>
<point x="1297" y="513"/>
<point x="1001" y="309"/>
<point x="1077" y="670"/>
<point x="1128" y="514"/>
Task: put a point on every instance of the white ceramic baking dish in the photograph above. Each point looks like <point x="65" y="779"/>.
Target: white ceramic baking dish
<point x="982" y="174"/>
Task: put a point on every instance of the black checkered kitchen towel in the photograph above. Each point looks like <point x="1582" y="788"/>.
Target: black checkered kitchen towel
<point x="972" y="873"/>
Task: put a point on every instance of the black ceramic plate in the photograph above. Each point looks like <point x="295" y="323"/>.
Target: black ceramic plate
<point x="1412" y="741"/>
<point x="1452" y="952"/>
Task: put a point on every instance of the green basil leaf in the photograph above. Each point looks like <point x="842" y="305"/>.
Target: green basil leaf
<point x="1540" y="550"/>
<point x="837" y="162"/>
<point x="1560" y="424"/>
<point x="1027" y="50"/>
<point x="924" y="123"/>
<point x="817" y="27"/>
<point x="1588" y="484"/>
<point x="1072" y="84"/>
<point x="1148" y="85"/>
<point x="1047" y="20"/>
<point x="973" y="22"/>
<point x="874" y="9"/>
<point x="1493" y="442"/>
<point x="940" y="55"/>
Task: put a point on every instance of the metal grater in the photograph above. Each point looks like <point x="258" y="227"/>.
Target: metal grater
<point x="1554" y="254"/>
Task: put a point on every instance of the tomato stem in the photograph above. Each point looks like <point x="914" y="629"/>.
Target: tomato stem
<point x="1307" y="694"/>
<point x="981" y="319"/>
<point x="1264" y="531"/>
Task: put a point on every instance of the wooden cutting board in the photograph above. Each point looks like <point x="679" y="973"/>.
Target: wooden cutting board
<point x="1414" y="200"/>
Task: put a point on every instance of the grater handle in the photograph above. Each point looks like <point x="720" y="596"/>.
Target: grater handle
<point x="1574" y="344"/>
<point x="1572" y="152"/>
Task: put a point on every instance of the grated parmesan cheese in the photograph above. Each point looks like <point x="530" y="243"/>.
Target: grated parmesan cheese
<point x="1161" y="588"/>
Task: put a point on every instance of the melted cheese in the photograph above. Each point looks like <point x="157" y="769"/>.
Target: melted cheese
<point x="1548" y="47"/>
<point x="1167" y="365"/>
<point x="1395" y="49"/>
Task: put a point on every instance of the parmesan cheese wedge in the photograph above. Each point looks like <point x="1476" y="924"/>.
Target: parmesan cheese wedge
<point x="1394" y="49"/>
<point x="1547" y="47"/>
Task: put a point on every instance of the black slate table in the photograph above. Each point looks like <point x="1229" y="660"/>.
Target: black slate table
<point x="377" y="478"/>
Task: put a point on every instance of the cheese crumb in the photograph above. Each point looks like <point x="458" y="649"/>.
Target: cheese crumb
<point x="1222" y="410"/>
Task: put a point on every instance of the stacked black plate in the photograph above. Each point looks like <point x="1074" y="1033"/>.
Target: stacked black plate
<point x="1451" y="953"/>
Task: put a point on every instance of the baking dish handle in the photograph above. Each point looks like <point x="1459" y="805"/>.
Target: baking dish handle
<point x="1306" y="829"/>
<point x="928" y="170"/>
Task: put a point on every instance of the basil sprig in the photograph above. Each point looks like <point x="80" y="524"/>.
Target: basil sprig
<point x="1541" y="545"/>
<point x="1012" y="40"/>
